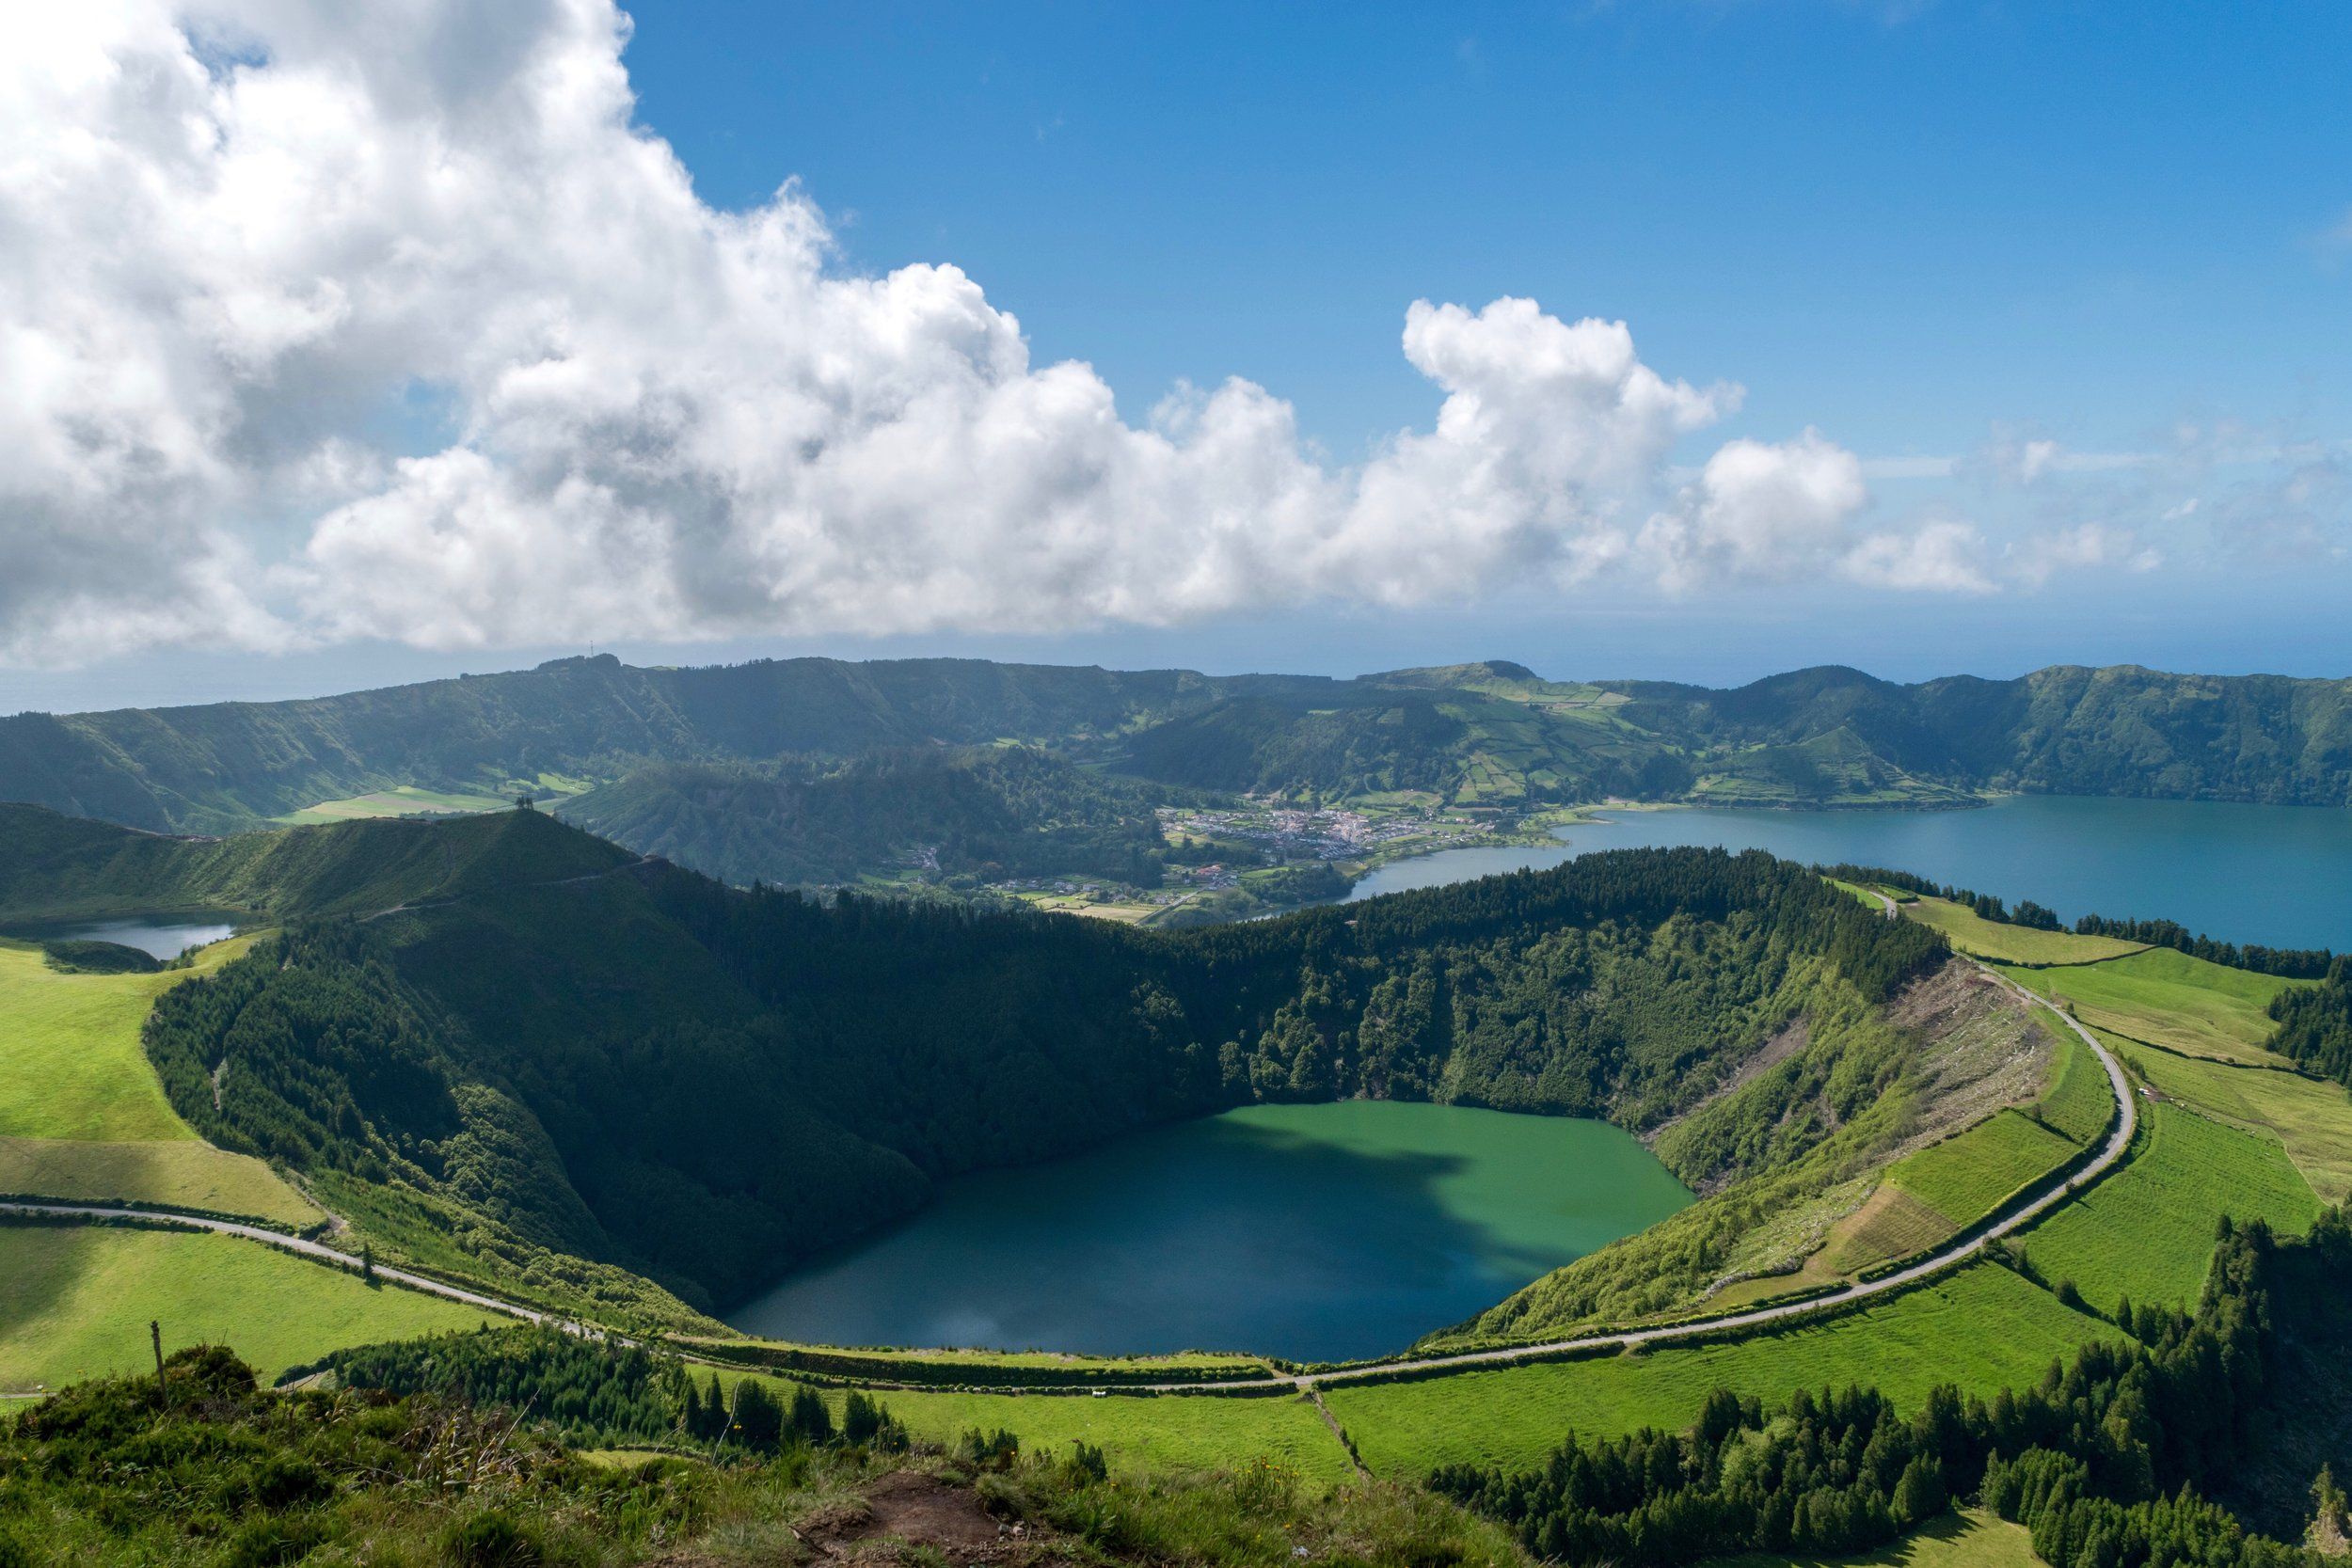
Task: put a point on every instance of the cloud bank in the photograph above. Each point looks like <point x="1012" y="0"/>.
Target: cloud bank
<point x="238" y="238"/>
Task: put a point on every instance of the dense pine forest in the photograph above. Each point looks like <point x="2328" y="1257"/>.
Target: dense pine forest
<point x="642" y="1067"/>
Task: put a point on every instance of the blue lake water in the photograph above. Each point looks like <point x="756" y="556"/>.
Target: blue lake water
<point x="159" y="939"/>
<point x="1320" y="1232"/>
<point x="2276" y="875"/>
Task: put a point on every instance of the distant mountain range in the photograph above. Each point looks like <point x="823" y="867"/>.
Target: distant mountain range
<point x="1487" y="734"/>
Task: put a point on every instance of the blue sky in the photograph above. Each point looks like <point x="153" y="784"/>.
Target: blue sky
<point x="1902" y="224"/>
<point x="2074" y="280"/>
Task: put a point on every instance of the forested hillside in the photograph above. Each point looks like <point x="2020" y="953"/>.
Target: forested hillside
<point x="1480" y="734"/>
<point x="982" y="813"/>
<point x="647" y="1069"/>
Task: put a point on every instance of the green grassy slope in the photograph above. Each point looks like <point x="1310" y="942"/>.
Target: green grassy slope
<point x="2169" y="999"/>
<point x="82" y="1115"/>
<point x="2146" y="1232"/>
<point x="2312" y="1116"/>
<point x="1964" y="1177"/>
<point x="2079" y="1103"/>
<point x="75" y="1303"/>
<point x="70" y="1065"/>
<point x="1971" y="933"/>
<point x="1982" y="1328"/>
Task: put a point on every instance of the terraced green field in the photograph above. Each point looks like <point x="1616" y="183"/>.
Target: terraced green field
<point x="1964" y="1177"/>
<point x="2078" y="1100"/>
<point x="75" y="1302"/>
<point x="2312" y="1116"/>
<point x="2169" y="999"/>
<point x="1990" y="939"/>
<point x="1981" y="1327"/>
<point x="2146" y="1231"/>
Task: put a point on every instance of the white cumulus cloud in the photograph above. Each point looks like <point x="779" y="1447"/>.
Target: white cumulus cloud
<point x="237" y="236"/>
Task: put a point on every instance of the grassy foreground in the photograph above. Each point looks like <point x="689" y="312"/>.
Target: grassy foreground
<point x="1981" y="1327"/>
<point x="75" y="1303"/>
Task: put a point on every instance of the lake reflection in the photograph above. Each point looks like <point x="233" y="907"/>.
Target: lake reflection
<point x="158" y="939"/>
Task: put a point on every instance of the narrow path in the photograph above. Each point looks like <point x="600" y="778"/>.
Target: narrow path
<point x="1315" y="1397"/>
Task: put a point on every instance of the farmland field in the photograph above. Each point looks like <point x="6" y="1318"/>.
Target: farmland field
<point x="75" y="1302"/>
<point x="1964" y="1177"/>
<point x="2312" y="1116"/>
<point x="2079" y="1100"/>
<point x="2147" y="1231"/>
<point x="2169" y="999"/>
<point x="1982" y="1327"/>
<point x="1990" y="939"/>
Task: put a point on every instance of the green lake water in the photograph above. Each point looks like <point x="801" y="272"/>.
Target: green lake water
<point x="2276" y="875"/>
<point x="1318" y="1232"/>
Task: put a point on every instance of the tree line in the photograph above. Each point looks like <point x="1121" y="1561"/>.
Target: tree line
<point x="2109" y="1461"/>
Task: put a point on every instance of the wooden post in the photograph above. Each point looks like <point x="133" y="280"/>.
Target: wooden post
<point x="155" y="1333"/>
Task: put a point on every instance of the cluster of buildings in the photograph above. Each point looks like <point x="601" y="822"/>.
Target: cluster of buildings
<point x="1293" y="833"/>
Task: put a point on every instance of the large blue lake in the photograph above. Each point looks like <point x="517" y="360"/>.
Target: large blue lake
<point x="2276" y="875"/>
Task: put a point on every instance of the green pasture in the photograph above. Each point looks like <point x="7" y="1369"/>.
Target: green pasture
<point x="70" y="1062"/>
<point x="2312" y="1116"/>
<point x="2146" y="1231"/>
<point x="1968" y="1538"/>
<point x="1981" y="1327"/>
<point x="75" y="1302"/>
<point x="1989" y="939"/>
<point x="177" y="1173"/>
<point x="1966" y="1177"/>
<point x="400" y="800"/>
<point x="2169" y="999"/>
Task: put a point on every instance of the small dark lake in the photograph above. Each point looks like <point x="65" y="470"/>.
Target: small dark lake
<point x="2276" y="875"/>
<point x="157" y="938"/>
<point x="1319" y="1232"/>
